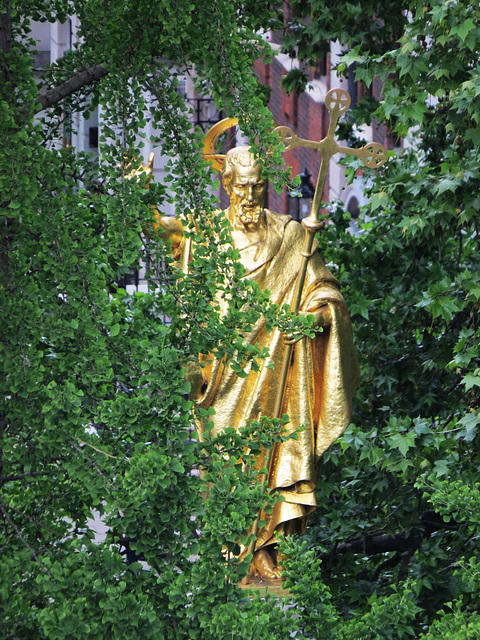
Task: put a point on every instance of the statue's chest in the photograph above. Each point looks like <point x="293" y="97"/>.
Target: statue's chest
<point x="256" y="250"/>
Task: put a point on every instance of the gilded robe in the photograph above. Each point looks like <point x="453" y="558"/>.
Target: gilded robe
<point x="321" y="381"/>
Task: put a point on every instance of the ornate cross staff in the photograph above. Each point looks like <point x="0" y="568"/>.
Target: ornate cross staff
<point x="373" y="155"/>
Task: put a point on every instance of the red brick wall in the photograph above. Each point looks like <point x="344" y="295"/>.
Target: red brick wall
<point x="309" y="120"/>
<point x="304" y="116"/>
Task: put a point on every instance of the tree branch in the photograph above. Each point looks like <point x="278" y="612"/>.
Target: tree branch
<point x="370" y="545"/>
<point x="20" y="476"/>
<point x="5" y="38"/>
<point x="49" y="97"/>
<point x="23" y="540"/>
<point x="5" y="30"/>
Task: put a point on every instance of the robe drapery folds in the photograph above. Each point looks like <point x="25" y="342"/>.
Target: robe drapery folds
<point x="322" y="377"/>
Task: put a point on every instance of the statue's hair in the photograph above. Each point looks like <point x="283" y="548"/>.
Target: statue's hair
<point x="237" y="156"/>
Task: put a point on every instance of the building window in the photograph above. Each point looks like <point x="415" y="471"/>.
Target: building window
<point x="93" y="137"/>
<point x="353" y="207"/>
<point x="320" y="69"/>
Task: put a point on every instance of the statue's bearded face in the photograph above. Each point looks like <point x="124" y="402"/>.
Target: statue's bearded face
<point x="247" y="194"/>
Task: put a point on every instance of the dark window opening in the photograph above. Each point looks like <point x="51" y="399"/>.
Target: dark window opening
<point x="93" y="137"/>
<point x="353" y="208"/>
<point x="320" y="69"/>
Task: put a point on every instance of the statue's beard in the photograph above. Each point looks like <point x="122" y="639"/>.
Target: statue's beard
<point x="248" y="214"/>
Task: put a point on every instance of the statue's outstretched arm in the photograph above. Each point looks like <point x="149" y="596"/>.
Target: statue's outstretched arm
<point x="165" y="227"/>
<point x="168" y="228"/>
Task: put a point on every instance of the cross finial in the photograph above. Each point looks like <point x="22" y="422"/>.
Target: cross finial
<point x="373" y="154"/>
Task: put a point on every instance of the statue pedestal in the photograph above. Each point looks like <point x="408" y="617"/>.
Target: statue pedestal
<point x="272" y="587"/>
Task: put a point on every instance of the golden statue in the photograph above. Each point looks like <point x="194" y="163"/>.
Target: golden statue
<point x="323" y="375"/>
<point x="311" y="380"/>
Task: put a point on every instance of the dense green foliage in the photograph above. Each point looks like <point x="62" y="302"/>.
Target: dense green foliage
<point x="95" y="414"/>
<point x="398" y="530"/>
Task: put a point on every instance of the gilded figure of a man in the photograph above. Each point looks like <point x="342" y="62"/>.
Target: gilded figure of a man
<point x="323" y="372"/>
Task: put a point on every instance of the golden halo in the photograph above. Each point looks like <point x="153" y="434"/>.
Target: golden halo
<point x="211" y="137"/>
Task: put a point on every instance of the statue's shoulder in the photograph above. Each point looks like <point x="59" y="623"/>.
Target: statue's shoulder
<point x="284" y="224"/>
<point x="277" y="218"/>
<point x="279" y="221"/>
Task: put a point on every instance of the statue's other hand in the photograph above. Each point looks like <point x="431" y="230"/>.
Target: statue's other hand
<point x="322" y="318"/>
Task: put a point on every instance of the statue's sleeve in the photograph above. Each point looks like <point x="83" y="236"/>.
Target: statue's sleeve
<point x="170" y="228"/>
<point x="335" y="365"/>
<point x="320" y="287"/>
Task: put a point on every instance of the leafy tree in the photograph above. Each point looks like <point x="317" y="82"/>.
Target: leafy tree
<point x="398" y="527"/>
<point x="94" y="411"/>
<point x="95" y="415"/>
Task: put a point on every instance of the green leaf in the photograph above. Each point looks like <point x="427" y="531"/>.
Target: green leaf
<point x="463" y="29"/>
<point x="114" y="330"/>
<point x="471" y="380"/>
<point x="402" y="442"/>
